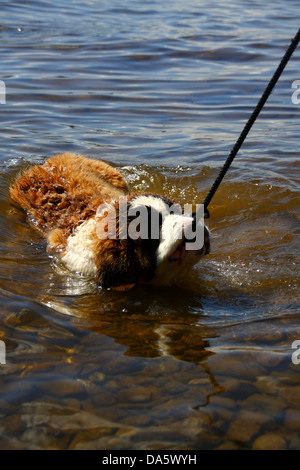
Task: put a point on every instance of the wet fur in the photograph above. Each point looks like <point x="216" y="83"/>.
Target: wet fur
<point x="62" y="197"/>
<point x="64" y="192"/>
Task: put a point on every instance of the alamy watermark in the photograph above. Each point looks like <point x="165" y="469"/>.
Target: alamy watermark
<point x="144" y="222"/>
<point x="2" y="352"/>
<point x="296" y="354"/>
<point x="296" y="93"/>
<point x="2" y="92"/>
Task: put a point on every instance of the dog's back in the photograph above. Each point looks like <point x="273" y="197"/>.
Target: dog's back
<point x="65" y="191"/>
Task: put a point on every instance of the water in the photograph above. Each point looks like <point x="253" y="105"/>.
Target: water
<point x="162" y="90"/>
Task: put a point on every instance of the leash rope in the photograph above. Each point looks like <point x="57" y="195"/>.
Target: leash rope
<point x="251" y="120"/>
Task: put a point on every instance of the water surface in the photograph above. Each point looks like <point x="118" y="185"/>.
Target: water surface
<point x="161" y="90"/>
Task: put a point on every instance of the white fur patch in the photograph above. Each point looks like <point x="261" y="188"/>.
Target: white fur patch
<point x="79" y="255"/>
<point x="171" y="235"/>
<point x="151" y="201"/>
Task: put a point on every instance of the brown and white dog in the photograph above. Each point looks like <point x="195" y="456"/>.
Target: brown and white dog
<point x="63" y="196"/>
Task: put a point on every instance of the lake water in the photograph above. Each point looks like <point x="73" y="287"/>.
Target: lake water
<point x="161" y="90"/>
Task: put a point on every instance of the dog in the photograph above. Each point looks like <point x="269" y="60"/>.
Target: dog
<point x="78" y="203"/>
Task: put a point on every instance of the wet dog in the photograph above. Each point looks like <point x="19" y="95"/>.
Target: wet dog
<point x="85" y="210"/>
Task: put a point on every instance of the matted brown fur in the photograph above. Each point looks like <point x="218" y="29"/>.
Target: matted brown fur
<point x="64" y="192"/>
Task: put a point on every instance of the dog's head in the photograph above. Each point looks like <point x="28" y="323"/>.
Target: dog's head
<point x="147" y="239"/>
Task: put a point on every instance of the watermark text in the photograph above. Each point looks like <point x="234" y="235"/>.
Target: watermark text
<point x="296" y="354"/>
<point x="122" y="221"/>
<point x="296" y="93"/>
<point x="2" y="352"/>
<point x="2" y="92"/>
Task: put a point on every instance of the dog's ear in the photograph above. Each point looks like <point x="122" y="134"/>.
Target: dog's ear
<point x="123" y="263"/>
<point x="115" y="264"/>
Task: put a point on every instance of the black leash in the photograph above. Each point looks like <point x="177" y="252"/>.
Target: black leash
<point x="251" y="120"/>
